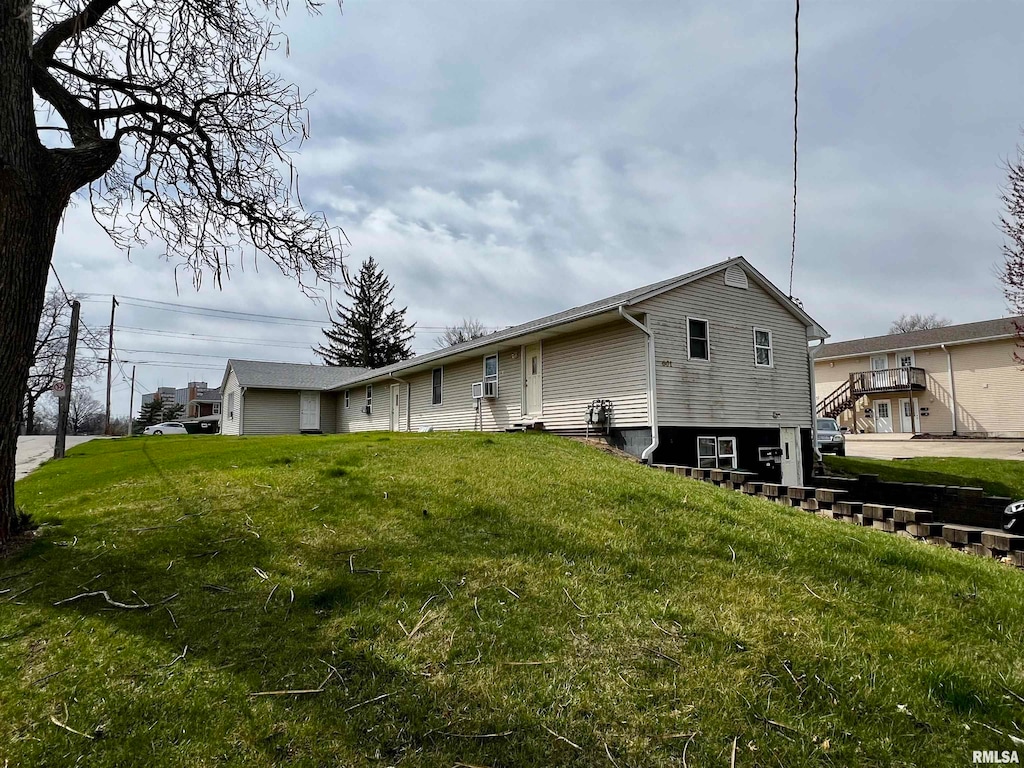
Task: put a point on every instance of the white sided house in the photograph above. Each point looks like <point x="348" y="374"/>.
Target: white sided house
<point x="707" y="369"/>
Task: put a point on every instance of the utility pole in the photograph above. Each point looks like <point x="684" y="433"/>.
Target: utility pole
<point x="64" y="401"/>
<point x="131" y="405"/>
<point x="110" y="362"/>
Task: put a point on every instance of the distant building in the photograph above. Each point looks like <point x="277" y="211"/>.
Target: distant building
<point x="203" y="404"/>
<point x="163" y="394"/>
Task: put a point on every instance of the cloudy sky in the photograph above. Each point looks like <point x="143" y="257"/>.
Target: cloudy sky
<point x="503" y="160"/>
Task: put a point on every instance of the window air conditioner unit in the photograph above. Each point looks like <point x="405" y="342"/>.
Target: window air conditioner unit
<point x="478" y="390"/>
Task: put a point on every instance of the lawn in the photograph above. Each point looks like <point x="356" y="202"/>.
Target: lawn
<point x="463" y="599"/>
<point x="999" y="477"/>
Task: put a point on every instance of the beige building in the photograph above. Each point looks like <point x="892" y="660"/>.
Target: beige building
<point x="706" y="369"/>
<point x="961" y="379"/>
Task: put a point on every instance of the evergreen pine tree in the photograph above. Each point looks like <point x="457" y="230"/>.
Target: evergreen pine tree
<point x="172" y="412"/>
<point x="370" y="332"/>
<point x="149" y="414"/>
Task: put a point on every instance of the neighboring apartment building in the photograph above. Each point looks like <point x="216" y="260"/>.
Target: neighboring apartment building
<point x="708" y="369"/>
<point x="961" y="379"/>
<point x="163" y="394"/>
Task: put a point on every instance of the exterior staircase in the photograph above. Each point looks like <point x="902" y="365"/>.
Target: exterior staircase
<point x="841" y="399"/>
<point x="862" y="383"/>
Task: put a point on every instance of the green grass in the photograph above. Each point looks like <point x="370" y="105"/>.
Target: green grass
<point x="458" y="598"/>
<point x="999" y="477"/>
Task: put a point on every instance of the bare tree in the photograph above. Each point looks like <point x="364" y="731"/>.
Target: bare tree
<point x="85" y="412"/>
<point x="1012" y="224"/>
<point x="470" y="328"/>
<point x="161" y="112"/>
<point x="917" y="322"/>
<point x="48" y="356"/>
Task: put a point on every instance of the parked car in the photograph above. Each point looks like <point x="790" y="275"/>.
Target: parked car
<point x="830" y="438"/>
<point x="166" y="428"/>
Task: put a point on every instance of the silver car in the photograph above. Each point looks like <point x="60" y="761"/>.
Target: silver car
<point x="166" y="428"/>
<point x="830" y="438"/>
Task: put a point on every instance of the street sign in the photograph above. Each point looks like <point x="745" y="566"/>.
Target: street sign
<point x="60" y="389"/>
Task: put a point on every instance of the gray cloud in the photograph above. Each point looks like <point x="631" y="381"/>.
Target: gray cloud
<point x="504" y="160"/>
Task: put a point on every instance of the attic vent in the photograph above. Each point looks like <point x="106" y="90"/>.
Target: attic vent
<point x="736" y="277"/>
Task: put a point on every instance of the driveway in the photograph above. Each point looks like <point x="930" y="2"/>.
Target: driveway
<point x="900" y="447"/>
<point x="33" y="450"/>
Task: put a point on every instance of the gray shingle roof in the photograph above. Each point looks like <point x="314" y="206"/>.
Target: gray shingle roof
<point x="951" y="334"/>
<point x="261" y="375"/>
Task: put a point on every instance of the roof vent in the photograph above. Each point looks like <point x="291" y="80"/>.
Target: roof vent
<point x="736" y="277"/>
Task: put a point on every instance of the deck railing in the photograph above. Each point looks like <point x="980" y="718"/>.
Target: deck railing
<point x="888" y="379"/>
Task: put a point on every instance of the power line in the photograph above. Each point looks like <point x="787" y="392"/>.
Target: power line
<point x="193" y="309"/>
<point x="66" y="297"/>
<point x="796" y="112"/>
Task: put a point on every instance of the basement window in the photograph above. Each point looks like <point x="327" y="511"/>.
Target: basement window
<point x="697" y="339"/>
<point x="763" y="348"/>
<point x="716" y="452"/>
<point x="436" y="382"/>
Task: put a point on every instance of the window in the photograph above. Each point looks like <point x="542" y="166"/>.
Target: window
<point x="216" y="408"/>
<point x="436" y="380"/>
<point x="347" y="391"/>
<point x="906" y="359"/>
<point x="231" y="406"/>
<point x="369" y="398"/>
<point x="491" y="376"/>
<point x="716" y="452"/>
<point x="763" y="348"/>
<point x="698" y="339"/>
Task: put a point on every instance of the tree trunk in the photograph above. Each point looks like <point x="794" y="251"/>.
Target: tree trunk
<point x="28" y="229"/>
<point x="32" y="199"/>
<point x="30" y="415"/>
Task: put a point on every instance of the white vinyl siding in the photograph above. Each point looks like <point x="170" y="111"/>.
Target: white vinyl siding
<point x="355" y="419"/>
<point x="328" y="412"/>
<point x="457" y="410"/>
<point x="728" y="390"/>
<point x="607" y="362"/>
<point x="271" y="412"/>
<point x="231" y="419"/>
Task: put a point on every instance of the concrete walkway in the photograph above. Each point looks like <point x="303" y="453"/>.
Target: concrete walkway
<point x="902" y="447"/>
<point x="33" y="450"/>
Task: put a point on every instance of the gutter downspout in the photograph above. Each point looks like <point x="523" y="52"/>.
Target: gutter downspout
<point x="408" y="402"/>
<point x="811" y="353"/>
<point x="652" y="393"/>
<point x="952" y="384"/>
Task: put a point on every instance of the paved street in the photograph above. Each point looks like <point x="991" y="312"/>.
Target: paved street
<point x="33" y="450"/>
<point x="899" y="446"/>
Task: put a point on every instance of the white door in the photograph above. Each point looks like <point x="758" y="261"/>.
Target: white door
<point x="883" y="416"/>
<point x="909" y="419"/>
<point x="395" y="407"/>
<point x="792" y="466"/>
<point x="309" y="412"/>
<point x="532" y="381"/>
<point x="878" y="363"/>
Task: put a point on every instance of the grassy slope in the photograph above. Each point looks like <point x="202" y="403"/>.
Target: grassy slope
<point x="999" y="477"/>
<point x="654" y="607"/>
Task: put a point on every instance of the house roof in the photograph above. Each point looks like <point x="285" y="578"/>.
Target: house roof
<point x="209" y="396"/>
<point x="894" y="342"/>
<point x="261" y="375"/>
<point x="602" y="306"/>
